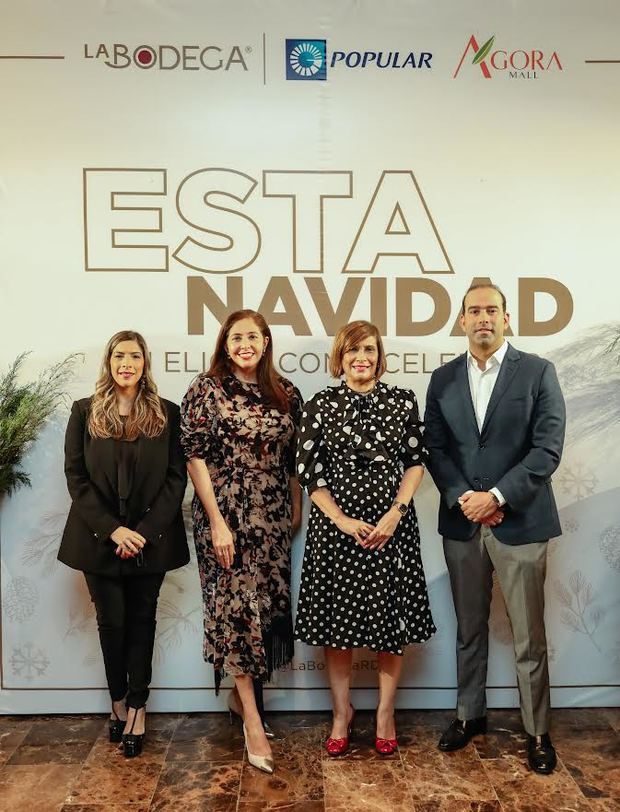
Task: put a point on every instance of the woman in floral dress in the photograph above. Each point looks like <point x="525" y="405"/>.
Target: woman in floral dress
<point x="239" y="428"/>
<point x="361" y="458"/>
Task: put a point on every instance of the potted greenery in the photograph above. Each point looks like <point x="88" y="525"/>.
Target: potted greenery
<point x="24" y="409"/>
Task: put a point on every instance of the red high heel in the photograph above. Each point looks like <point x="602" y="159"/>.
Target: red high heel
<point x="338" y="747"/>
<point x="386" y="747"/>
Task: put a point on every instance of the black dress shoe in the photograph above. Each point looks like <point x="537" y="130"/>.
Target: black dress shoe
<point x="541" y="754"/>
<point x="460" y="732"/>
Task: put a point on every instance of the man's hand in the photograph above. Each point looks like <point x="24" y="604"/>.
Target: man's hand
<point x="495" y="519"/>
<point x="478" y="505"/>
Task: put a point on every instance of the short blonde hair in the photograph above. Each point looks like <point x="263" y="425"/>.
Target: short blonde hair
<point x="349" y="336"/>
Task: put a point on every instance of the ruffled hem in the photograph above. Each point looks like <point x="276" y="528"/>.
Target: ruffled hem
<point x="279" y="647"/>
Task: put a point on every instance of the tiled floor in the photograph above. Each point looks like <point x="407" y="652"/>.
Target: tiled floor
<point x="196" y="762"/>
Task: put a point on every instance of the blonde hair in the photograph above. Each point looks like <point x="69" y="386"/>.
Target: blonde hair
<point x="349" y="336"/>
<point x="147" y="417"/>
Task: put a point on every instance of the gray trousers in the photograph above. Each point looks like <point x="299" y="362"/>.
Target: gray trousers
<point x="521" y="574"/>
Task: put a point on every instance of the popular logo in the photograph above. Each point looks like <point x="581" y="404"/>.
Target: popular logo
<point x="306" y="59"/>
<point x="517" y="64"/>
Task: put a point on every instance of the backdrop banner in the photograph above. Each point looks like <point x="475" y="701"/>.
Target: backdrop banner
<point x="162" y="164"/>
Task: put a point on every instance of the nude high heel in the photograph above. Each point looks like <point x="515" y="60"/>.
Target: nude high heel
<point x="264" y="763"/>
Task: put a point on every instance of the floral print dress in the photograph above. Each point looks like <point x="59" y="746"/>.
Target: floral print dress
<point x="358" y="445"/>
<point x="249" y="450"/>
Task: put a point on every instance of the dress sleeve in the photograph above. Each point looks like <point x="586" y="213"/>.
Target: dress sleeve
<point x="198" y="418"/>
<point x="413" y="451"/>
<point x="296" y="405"/>
<point x="311" y="450"/>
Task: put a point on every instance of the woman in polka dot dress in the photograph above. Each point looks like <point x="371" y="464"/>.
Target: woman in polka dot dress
<point x="361" y="458"/>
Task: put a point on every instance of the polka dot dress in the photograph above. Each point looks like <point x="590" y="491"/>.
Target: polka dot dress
<point x="358" y="446"/>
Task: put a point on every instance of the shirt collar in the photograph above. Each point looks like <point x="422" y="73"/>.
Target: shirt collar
<point x="496" y="358"/>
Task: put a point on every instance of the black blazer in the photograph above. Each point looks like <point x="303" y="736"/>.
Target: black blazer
<point x="153" y="505"/>
<point x="517" y="450"/>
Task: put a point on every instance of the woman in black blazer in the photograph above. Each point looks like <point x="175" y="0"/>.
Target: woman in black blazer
<point x="126" y="475"/>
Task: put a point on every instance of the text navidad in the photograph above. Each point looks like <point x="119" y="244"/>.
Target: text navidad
<point x="219" y="225"/>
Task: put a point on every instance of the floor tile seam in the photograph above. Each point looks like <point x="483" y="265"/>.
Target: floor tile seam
<point x="486" y="774"/>
<point x="240" y="781"/>
<point x="13" y="751"/>
<point x="67" y="799"/>
<point x="161" y="770"/>
<point x="579" y="790"/>
<point x="582" y="796"/>
<point x="483" y="761"/>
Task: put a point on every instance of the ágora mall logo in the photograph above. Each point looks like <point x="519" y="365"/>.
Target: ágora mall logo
<point x="298" y="245"/>
<point x="519" y="63"/>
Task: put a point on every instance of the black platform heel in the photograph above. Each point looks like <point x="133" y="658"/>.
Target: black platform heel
<point x="116" y="727"/>
<point x="132" y="742"/>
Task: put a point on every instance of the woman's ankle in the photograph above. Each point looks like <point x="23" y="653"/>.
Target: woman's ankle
<point x="343" y="713"/>
<point x="119" y="711"/>
<point x="253" y="719"/>
<point x="136" y="720"/>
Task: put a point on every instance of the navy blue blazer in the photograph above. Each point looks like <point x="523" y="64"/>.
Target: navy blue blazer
<point x="517" y="450"/>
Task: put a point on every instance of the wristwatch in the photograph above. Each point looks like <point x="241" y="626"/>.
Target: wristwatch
<point x="401" y="507"/>
<point x="494" y="498"/>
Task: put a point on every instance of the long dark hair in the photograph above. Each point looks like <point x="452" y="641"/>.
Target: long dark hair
<point x="269" y="382"/>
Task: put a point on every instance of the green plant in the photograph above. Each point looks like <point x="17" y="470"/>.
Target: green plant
<point x="24" y="409"/>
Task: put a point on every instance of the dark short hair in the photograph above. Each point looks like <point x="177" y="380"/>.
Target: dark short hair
<point x="479" y="286"/>
<point x="349" y="336"/>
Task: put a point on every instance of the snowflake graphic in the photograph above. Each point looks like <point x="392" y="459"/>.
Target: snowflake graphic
<point x="609" y="543"/>
<point x="579" y="481"/>
<point x="28" y="661"/>
<point x="20" y="599"/>
<point x="570" y="525"/>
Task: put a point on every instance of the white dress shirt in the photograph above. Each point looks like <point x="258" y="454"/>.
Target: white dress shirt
<point x="481" y="384"/>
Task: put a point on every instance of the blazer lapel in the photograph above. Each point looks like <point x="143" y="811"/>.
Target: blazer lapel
<point x="506" y="374"/>
<point x="463" y="382"/>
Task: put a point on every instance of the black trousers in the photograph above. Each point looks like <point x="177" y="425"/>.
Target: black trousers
<point x="126" y="608"/>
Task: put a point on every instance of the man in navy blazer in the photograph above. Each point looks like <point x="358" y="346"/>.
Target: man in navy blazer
<point x="495" y="422"/>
